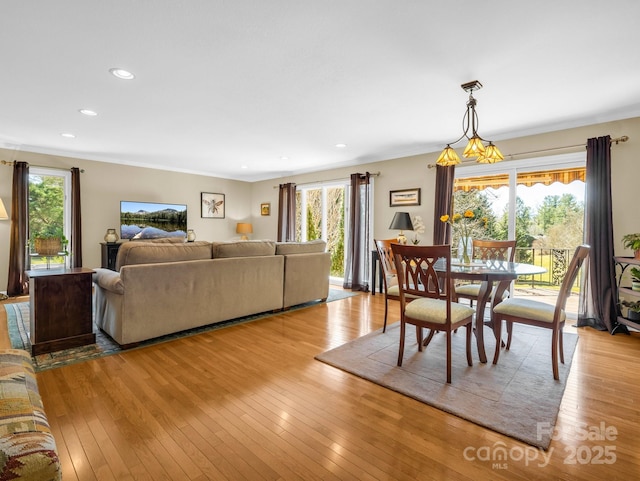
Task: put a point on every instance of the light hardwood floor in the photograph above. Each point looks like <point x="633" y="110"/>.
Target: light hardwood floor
<point x="249" y="402"/>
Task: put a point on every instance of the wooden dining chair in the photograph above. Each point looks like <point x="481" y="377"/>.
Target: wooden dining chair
<point x="483" y="249"/>
<point x="432" y="306"/>
<point x="540" y="314"/>
<point x="389" y="276"/>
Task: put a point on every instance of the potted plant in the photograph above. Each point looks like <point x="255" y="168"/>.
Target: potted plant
<point x="632" y="241"/>
<point x="50" y="242"/>
<point x="633" y="309"/>
<point x="635" y="278"/>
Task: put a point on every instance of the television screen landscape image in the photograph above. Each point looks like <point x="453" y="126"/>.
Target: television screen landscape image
<point x="152" y="220"/>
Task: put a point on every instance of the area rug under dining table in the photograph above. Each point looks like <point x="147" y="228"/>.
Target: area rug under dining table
<point x="514" y="397"/>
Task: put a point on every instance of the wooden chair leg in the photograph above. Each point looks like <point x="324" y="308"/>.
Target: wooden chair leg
<point x="469" y="336"/>
<point x="386" y="309"/>
<point x="554" y="354"/>
<point x="449" y="357"/>
<point x="429" y="337"/>
<point x="560" y="346"/>
<point x="509" y="333"/>
<point x="419" y="337"/>
<point x="498" y="331"/>
<point x="401" y="353"/>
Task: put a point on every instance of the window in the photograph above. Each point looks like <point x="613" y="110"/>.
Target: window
<point x="320" y="214"/>
<point x="538" y="202"/>
<point x="523" y="189"/>
<point x="49" y="217"/>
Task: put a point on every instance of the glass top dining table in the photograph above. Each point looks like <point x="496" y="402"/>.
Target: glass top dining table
<point x="489" y="273"/>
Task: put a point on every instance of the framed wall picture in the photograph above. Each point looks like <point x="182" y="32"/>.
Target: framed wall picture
<point x="265" y="208"/>
<point x="399" y="198"/>
<point x="212" y="205"/>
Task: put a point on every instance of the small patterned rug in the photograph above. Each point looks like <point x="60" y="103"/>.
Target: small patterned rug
<point x="18" y="327"/>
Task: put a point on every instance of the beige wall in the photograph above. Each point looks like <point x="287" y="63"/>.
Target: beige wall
<point x="105" y="185"/>
<point x="411" y="172"/>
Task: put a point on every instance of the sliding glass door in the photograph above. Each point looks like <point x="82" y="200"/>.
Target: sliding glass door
<point x="538" y="202"/>
<point x="320" y="214"/>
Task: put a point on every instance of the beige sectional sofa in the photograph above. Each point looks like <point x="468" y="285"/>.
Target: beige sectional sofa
<point x="163" y="288"/>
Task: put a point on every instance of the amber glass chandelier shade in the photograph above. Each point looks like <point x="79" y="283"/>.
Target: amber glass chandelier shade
<point x="448" y="157"/>
<point x="474" y="148"/>
<point x="491" y="155"/>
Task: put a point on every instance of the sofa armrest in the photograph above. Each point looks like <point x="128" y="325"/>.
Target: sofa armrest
<point x="108" y="280"/>
<point x="306" y="277"/>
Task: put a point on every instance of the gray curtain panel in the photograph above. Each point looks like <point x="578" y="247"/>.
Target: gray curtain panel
<point x="287" y="213"/>
<point x="358" y="242"/>
<point x="443" y="204"/>
<point x="597" y="306"/>
<point x="18" y="283"/>
<point x="76" y="219"/>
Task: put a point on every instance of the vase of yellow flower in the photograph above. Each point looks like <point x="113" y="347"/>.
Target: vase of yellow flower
<point x="463" y="247"/>
<point x="465" y="225"/>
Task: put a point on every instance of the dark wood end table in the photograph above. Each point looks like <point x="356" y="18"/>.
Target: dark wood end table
<point x="60" y="309"/>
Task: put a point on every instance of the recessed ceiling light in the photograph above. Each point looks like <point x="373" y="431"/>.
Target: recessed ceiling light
<point x="68" y="135"/>
<point x="284" y="158"/>
<point x="122" y="73"/>
<point x="88" y="112"/>
<point x="341" y="146"/>
<point x="244" y="167"/>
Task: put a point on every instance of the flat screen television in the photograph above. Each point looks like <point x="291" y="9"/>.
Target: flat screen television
<point x="152" y="220"/>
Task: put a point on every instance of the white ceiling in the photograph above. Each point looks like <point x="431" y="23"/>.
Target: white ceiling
<point x="222" y="84"/>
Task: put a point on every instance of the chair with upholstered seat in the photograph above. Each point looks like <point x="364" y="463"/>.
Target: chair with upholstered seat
<point x="432" y="306"/>
<point x="501" y="250"/>
<point x="389" y="277"/>
<point x="540" y="314"/>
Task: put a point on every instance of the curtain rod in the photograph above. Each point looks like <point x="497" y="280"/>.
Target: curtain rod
<point x="372" y="174"/>
<point x="12" y="162"/>
<point x="617" y="140"/>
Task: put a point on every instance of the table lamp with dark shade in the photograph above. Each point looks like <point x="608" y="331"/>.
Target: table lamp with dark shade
<point x="244" y="228"/>
<point x="401" y="221"/>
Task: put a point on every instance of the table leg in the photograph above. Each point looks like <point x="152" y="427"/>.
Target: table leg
<point x="483" y="296"/>
<point x="497" y="299"/>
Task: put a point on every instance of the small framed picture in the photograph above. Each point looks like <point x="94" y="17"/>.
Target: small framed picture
<point x="212" y="205"/>
<point x="265" y="208"/>
<point x="399" y="198"/>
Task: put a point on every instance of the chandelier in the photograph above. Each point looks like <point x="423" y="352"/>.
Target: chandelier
<point x="484" y="154"/>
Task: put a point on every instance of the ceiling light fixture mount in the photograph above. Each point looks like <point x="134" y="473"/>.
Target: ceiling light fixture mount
<point x="122" y="73"/>
<point x="485" y="154"/>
